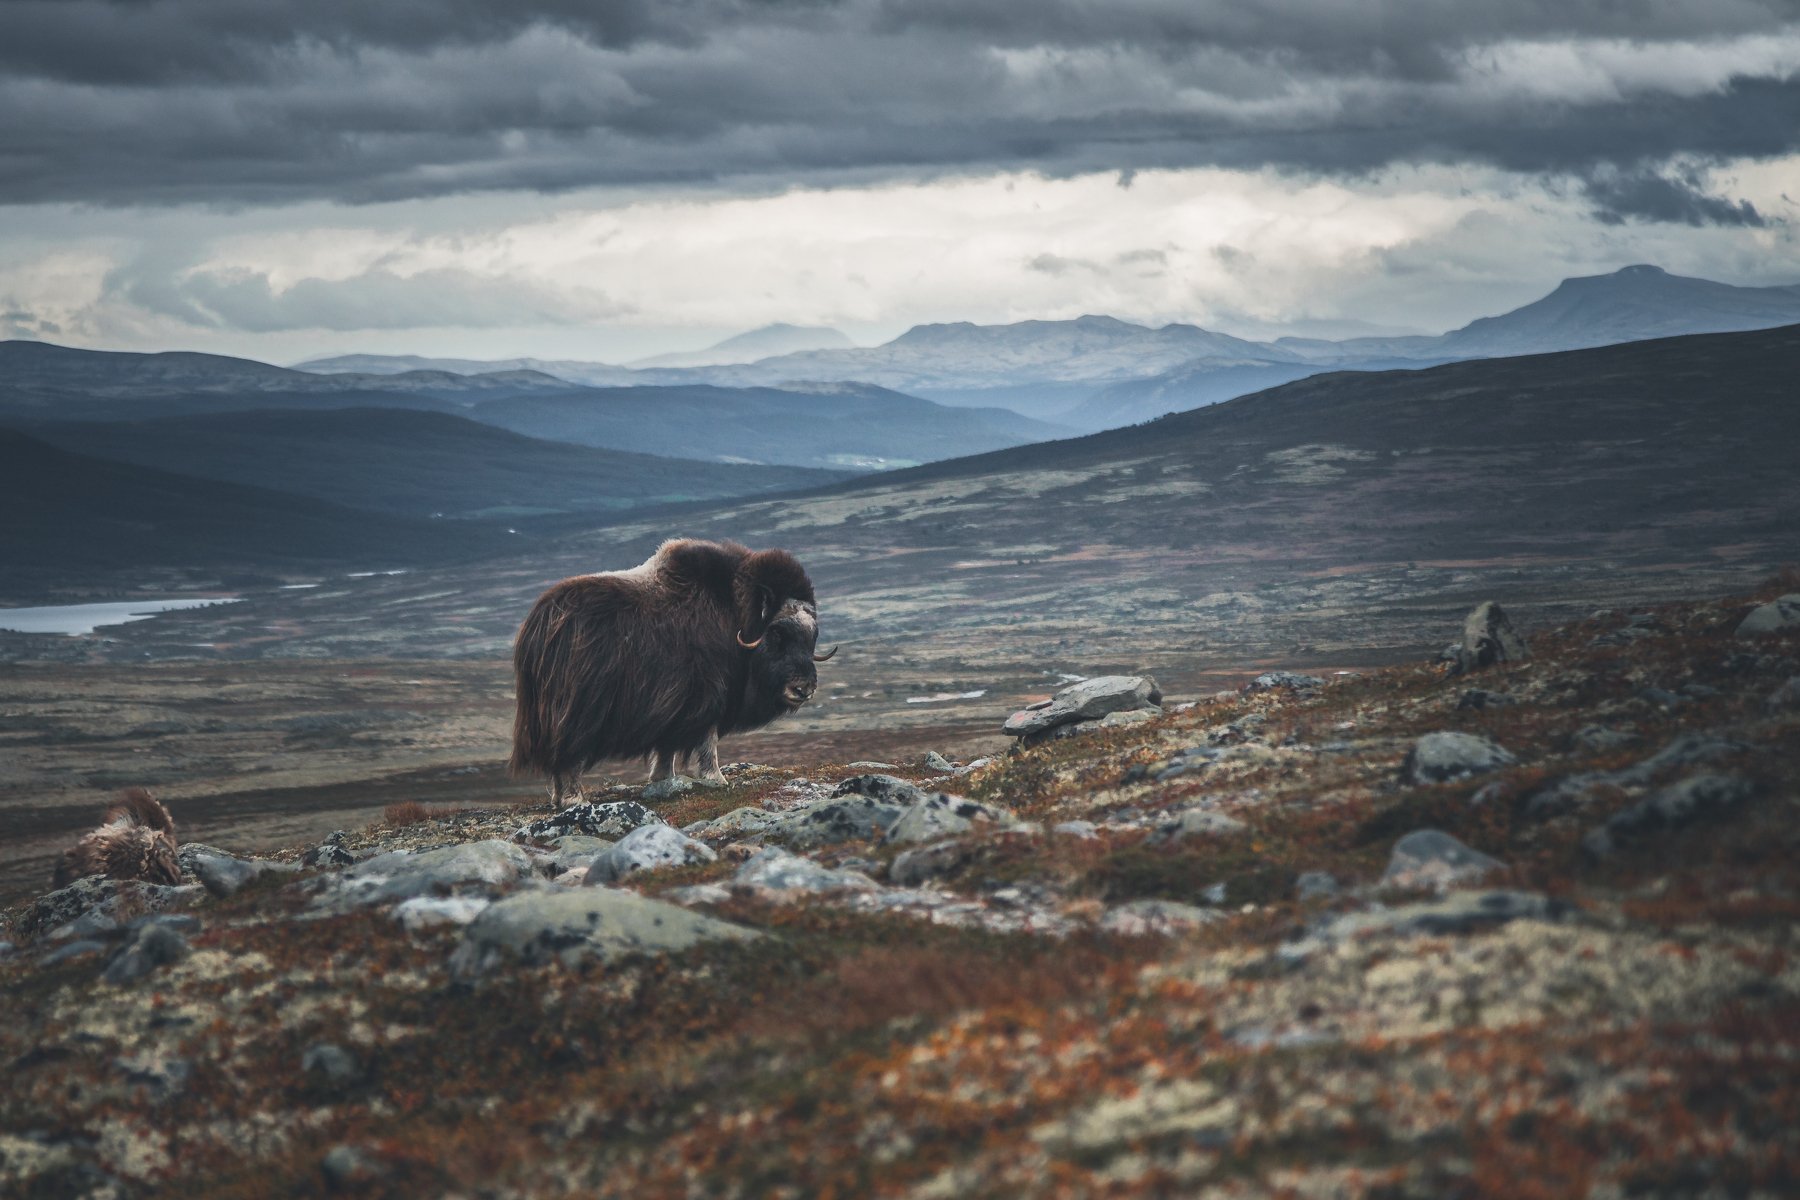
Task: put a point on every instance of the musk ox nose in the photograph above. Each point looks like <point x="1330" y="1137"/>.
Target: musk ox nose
<point x="799" y="691"/>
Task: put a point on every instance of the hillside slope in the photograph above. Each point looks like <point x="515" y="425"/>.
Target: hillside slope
<point x="71" y="517"/>
<point x="415" y="463"/>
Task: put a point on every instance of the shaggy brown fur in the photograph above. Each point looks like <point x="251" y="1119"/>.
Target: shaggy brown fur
<point x="136" y="840"/>
<point x="702" y="640"/>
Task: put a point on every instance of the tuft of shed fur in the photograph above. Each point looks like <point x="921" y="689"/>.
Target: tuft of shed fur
<point x="136" y="840"/>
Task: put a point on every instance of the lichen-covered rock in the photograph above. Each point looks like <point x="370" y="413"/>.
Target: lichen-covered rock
<point x="775" y="870"/>
<point x="1445" y="756"/>
<point x="1431" y="858"/>
<point x="1696" y="798"/>
<point x="401" y="874"/>
<point x="881" y="787"/>
<point x="330" y="853"/>
<point x="1290" y="681"/>
<point x="668" y="789"/>
<point x="572" y="924"/>
<point x="226" y="875"/>
<point x="574" y="850"/>
<point x="739" y="822"/>
<point x="938" y="762"/>
<point x="1088" y="700"/>
<point x="1777" y="616"/>
<point x="1137" y="918"/>
<point x="840" y="819"/>
<point x="96" y="904"/>
<point x="1455" y="914"/>
<point x="429" y="912"/>
<point x="611" y="819"/>
<point x="648" y="848"/>
<point x="943" y="815"/>
<point x="1200" y="822"/>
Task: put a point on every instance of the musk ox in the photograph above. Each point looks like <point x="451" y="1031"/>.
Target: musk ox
<point x="703" y="639"/>
<point x="136" y="840"/>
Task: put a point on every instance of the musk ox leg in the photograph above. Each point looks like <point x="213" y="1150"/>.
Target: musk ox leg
<point x="663" y="765"/>
<point x="706" y="759"/>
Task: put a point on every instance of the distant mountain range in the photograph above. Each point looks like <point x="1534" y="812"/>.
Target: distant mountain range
<point x="766" y="342"/>
<point x="1096" y="372"/>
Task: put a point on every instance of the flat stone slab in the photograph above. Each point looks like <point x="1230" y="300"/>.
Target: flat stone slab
<point x="739" y="822"/>
<point x="1088" y="700"/>
<point x="571" y="925"/>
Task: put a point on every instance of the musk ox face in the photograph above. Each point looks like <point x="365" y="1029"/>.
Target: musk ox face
<point x="781" y="663"/>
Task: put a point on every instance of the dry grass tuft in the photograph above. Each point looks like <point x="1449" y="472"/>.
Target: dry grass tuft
<point x="407" y="812"/>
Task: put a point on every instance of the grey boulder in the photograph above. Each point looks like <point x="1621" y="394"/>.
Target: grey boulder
<point x="1695" y="798"/>
<point x="1440" y="757"/>
<point x="226" y="875"/>
<point x="1200" y="822"/>
<point x="402" y="874"/>
<point x="151" y="946"/>
<point x="1488" y="638"/>
<point x="569" y="925"/>
<point x="1431" y="858"/>
<point x="1774" y="617"/>
<point x="649" y="848"/>
<point x="613" y="820"/>
<point x="776" y="870"/>
<point x="837" y="819"/>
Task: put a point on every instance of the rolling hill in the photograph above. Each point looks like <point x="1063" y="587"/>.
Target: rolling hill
<point x="72" y="518"/>
<point x="832" y="426"/>
<point x="412" y="463"/>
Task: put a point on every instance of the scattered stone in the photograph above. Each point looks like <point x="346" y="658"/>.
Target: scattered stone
<point x="191" y="853"/>
<point x="739" y="822"/>
<point x="925" y="863"/>
<point x="350" y="1167"/>
<point x="1662" y="698"/>
<point x="1431" y="858"/>
<point x="329" y="1063"/>
<point x="779" y="871"/>
<point x="1316" y="885"/>
<point x="79" y="948"/>
<point x="1598" y="739"/>
<point x="610" y="819"/>
<point x="225" y="875"/>
<point x="1695" y="798"/>
<point x="151" y="946"/>
<point x="1139" y="918"/>
<point x="1200" y="822"/>
<point x="1270" y="681"/>
<point x="1785" y="696"/>
<point x="842" y="819"/>
<point x="1777" y="616"/>
<point x="403" y="874"/>
<point x="96" y="904"/>
<point x="7" y="950"/>
<point x="969" y="768"/>
<point x="160" y="1075"/>
<point x="1088" y="700"/>
<point x="867" y="765"/>
<point x="1079" y="829"/>
<point x="1480" y="700"/>
<point x="648" y="848"/>
<point x="575" y="850"/>
<point x="1457" y="913"/>
<point x="572" y="924"/>
<point x="330" y="853"/>
<point x="881" y="787"/>
<point x="1684" y="751"/>
<point x="698" y="893"/>
<point x="936" y="762"/>
<point x="943" y="815"/>
<point x="1488" y="638"/>
<point x="1440" y="757"/>
<point x="668" y="789"/>
<point x="429" y="912"/>
<point x="1119" y="720"/>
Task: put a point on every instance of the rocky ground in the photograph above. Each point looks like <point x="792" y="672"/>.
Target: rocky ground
<point x="1523" y="930"/>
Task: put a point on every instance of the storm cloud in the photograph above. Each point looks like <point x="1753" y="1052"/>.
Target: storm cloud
<point x="234" y="102"/>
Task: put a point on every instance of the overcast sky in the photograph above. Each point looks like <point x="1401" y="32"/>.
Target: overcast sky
<point x="562" y="178"/>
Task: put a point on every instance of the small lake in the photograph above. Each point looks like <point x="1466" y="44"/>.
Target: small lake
<point x="76" y="619"/>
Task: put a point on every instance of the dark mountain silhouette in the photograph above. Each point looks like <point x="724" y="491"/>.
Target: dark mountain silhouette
<point x="837" y="425"/>
<point x="414" y="463"/>
<point x="72" y="518"/>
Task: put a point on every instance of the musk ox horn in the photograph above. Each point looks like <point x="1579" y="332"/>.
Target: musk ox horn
<point x="826" y="655"/>
<point x="749" y="645"/>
